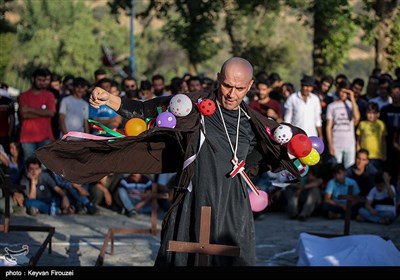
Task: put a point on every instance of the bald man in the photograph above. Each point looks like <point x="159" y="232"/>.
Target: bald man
<point x="233" y="131"/>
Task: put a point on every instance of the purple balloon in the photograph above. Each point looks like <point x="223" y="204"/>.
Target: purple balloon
<point x="317" y="144"/>
<point x="166" y="119"/>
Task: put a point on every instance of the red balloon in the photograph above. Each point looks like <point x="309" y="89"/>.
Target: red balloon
<point x="207" y="107"/>
<point x="300" y="145"/>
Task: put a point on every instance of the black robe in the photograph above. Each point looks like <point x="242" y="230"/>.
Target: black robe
<point x="160" y="150"/>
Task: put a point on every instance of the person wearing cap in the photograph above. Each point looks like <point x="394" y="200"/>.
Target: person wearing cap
<point x="303" y="108"/>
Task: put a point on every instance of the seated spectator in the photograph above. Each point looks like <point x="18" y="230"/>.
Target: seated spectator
<point x="42" y="190"/>
<point x="13" y="162"/>
<point x="380" y="206"/>
<point x="77" y="194"/>
<point x="304" y="197"/>
<point x="132" y="192"/>
<point x="362" y="172"/>
<point x="99" y="191"/>
<point x="333" y="207"/>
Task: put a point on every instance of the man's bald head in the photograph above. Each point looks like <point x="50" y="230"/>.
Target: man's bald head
<point x="235" y="80"/>
<point x="239" y="65"/>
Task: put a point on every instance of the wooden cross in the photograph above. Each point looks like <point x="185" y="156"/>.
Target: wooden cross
<point x="204" y="248"/>
<point x="154" y="196"/>
<point x="349" y="203"/>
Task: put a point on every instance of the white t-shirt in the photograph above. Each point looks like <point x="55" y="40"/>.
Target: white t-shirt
<point x="75" y="111"/>
<point x="374" y="194"/>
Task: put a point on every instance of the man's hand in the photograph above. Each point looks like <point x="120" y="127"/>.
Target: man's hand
<point x="99" y="97"/>
<point x="18" y="199"/>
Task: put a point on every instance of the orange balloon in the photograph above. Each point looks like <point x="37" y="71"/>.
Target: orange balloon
<point x="134" y="127"/>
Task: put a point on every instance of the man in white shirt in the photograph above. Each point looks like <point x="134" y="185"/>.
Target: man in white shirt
<point x="303" y="108"/>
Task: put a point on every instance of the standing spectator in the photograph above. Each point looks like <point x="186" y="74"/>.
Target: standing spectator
<point x="390" y="115"/>
<point x="383" y="97"/>
<point x="342" y="116"/>
<point x="371" y="135"/>
<point x="303" y="108"/>
<point x="7" y="121"/>
<point x="37" y="106"/>
<point x="74" y="110"/>
<point x="158" y="82"/>
<point x="265" y="105"/>
<point x="357" y="86"/>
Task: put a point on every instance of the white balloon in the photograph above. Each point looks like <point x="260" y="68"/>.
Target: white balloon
<point x="283" y="134"/>
<point x="180" y="105"/>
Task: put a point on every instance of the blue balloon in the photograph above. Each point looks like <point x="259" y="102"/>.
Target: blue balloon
<point x="317" y="144"/>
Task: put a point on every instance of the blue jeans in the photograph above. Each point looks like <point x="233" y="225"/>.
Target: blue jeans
<point x="42" y="204"/>
<point x="130" y="202"/>
<point x="366" y="214"/>
<point x="29" y="148"/>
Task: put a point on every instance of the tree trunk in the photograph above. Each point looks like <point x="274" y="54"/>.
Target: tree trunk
<point x="386" y="12"/>
<point x="320" y="31"/>
<point x="193" y="69"/>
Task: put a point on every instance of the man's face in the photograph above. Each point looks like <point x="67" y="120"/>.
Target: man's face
<point x="263" y="91"/>
<point x="357" y="89"/>
<point x="130" y="85"/>
<point x="325" y="86"/>
<point x="233" y="86"/>
<point x="340" y="176"/>
<point x="195" y="86"/>
<point x="158" y="86"/>
<point x="362" y="160"/>
<point x="34" y="171"/>
<point x="41" y="82"/>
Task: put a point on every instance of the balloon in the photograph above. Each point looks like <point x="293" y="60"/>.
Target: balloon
<point x="283" y="134"/>
<point x="317" y="144"/>
<point x="311" y="159"/>
<point x="166" y="119"/>
<point x="300" y="145"/>
<point x="135" y="126"/>
<point x="291" y="156"/>
<point x="207" y="107"/>
<point x="180" y="105"/>
<point x="258" y="203"/>
<point x="304" y="171"/>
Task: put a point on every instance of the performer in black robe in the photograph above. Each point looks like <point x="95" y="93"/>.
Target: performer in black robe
<point x="205" y="181"/>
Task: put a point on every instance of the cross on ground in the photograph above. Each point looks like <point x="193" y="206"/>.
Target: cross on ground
<point x="204" y="248"/>
<point x="153" y="196"/>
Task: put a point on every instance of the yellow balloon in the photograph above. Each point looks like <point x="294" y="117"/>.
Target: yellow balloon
<point x="134" y="127"/>
<point x="311" y="159"/>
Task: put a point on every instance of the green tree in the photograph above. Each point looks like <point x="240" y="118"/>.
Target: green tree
<point x="191" y="24"/>
<point x="378" y="20"/>
<point x="64" y="36"/>
<point x="394" y="45"/>
<point x="7" y="38"/>
<point x="249" y="25"/>
<point x="333" y="32"/>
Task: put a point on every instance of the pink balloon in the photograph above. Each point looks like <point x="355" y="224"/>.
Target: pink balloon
<point x="258" y="203"/>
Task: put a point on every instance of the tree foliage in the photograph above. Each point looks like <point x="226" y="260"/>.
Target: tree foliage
<point x="394" y="46"/>
<point x="377" y="20"/>
<point x="333" y="32"/>
<point x="191" y="24"/>
<point x="63" y="36"/>
<point x="249" y="25"/>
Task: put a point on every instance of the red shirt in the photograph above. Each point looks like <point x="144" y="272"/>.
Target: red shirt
<point x="36" y="129"/>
